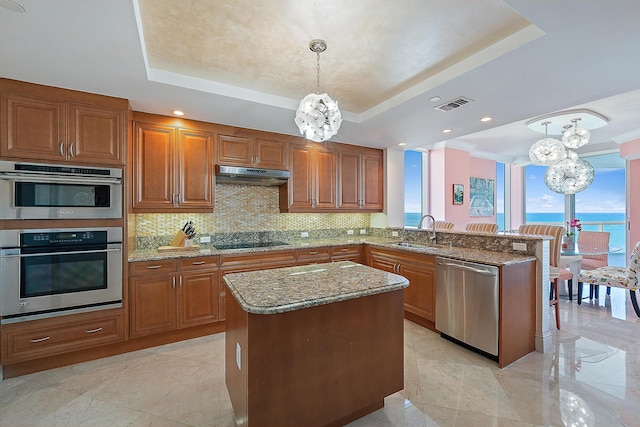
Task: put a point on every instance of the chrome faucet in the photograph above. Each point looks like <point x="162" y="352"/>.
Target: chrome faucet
<point x="433" y="227"/>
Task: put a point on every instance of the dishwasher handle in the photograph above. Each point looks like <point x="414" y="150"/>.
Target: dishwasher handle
<point x="467" y="268"/>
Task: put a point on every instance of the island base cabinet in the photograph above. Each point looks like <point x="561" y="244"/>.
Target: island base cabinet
<point x="321" y="366"/>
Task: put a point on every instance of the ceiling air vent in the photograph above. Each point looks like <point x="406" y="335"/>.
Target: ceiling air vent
<point x="453" y="104"/>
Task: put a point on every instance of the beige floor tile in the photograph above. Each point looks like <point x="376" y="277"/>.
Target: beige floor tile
<point x="87" y="412"/>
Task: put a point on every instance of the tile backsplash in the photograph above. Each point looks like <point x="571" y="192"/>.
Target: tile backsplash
<point x="242" y="209"/>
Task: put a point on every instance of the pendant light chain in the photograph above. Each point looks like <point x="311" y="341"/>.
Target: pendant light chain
<point x="318" y="74"/>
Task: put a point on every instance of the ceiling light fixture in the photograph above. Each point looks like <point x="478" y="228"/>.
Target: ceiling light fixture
<point x="575" y="137"/>
<point x="486" y="119"/>
<point x="546" y="151"/>
<point x="570" y="175"/>
<point x="446" y="130"/>
<point x="178" y="113"/>
<point x="318" y="116"/>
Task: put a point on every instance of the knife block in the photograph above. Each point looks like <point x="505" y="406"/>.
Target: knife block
<point x="178" y="239"/>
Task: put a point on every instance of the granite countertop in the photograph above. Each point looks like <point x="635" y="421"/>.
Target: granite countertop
<point x="292" y="288"/>
<point x="454" y="252"/>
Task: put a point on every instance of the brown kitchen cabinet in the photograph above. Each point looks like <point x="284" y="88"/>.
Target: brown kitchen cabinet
<point x="346" y="253"/>
<point x="314" y="255"/>
<point x="312" y="186"/>
<point x="49" y="337"/>
<point x="51" y="124"/>
<point x="419" y="269"/>
<point x="172" y="169"/>
<point x="252" y="152"/>
<point x="361" y="175"/>
<point x="172" y="294"/>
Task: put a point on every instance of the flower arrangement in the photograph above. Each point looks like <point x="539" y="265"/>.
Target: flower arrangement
<point x="572" y="226"/>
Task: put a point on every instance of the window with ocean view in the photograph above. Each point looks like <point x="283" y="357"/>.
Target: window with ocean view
<point x="600" y="207"/>
<point x="412" y="188"/>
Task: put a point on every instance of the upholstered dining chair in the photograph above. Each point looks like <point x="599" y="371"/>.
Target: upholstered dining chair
<point x="594" y="241"/>
<point x="444" y="225"/>
<point x="556" y="274"/>
<point x="482" y="227"/>
<point x="618" y="277"/>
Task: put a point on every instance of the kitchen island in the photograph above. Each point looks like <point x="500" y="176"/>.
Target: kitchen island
<point x="316" y="345"/>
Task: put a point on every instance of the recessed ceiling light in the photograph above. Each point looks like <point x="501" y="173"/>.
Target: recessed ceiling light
<point x="402" y="144"/>
<point x="486" y="119"/>
<point x="11" y="5"/>
<point x="446" y="130"/>
<point x="178" y="113"/>
<point x="435" y="99"/>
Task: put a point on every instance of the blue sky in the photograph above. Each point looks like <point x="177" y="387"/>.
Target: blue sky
<point x="605" y="194"/>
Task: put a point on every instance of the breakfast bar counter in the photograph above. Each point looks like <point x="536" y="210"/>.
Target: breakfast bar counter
<point x="315" y="345"/>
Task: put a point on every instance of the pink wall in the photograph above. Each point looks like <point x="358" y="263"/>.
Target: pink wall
<point x="448" y="166"/>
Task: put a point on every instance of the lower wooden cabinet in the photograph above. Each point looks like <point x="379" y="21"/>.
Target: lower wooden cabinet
<point x="50" y="337"/>
<point x="172" y="294"/>
<point x="347" y="253"/>
<point x="420" y="270"/>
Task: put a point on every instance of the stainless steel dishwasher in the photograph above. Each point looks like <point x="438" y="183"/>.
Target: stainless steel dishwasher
<point x="467" y="309"/>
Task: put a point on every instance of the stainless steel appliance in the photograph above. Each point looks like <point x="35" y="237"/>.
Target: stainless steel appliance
<point x="44" y="273"/>
<point x="44" y="191"/>
<point x="250" y="176"/>
<point x="467" y="303"/>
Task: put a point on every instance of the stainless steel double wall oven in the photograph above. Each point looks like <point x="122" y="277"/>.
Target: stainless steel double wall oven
<point x="64" y="268"/>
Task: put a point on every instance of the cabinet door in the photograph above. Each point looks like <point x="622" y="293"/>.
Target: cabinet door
<point x="372" y="186"/>
<point x="382" y="263"/>
<point x="233" y="150"/>
<point x="33" y="128"/>
<point x="349" y="181"/>
<point x="195" y="170"/>
<point x="271" y="154"/>
<point x="153" y="157"/>
<point x="153" y="304"/>
<point x="300" y="186"/>
<point x="419" y="297"/>
<point x="198" y="299"/>
<point x="325" y="177"/>
<point x="96" y="134"/>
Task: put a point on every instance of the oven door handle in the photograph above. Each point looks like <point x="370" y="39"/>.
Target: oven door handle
<point x="93" y="251"/>
<point x="11" y="176"/>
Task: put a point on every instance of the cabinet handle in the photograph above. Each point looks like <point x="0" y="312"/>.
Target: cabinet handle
<point x="180" y="281"/>
<point x="257" y="159"/>
<point x="197" y="263"/>
<point x="313" y="253"/>
<point x="173" y="282"/>
<point x="344" y="250"/>
<point x="153" y="267"/>
<point x="71" y="150"/>
<point x="40" y="339"/>
<point x="61" y="148"/>
<point x="91" y="331"/>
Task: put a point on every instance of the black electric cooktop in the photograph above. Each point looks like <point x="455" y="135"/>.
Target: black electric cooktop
<point x="249" y="245"/>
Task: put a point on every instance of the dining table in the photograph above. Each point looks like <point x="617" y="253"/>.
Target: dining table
<point x="572" y="259"/>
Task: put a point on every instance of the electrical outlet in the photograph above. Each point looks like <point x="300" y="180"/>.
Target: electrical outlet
<point x="519" y="246"/>
<point x="394" y="234"/>
<point x="363" y="231"/>
<point x="349" y="232"/>
<point x="205" y="239"/>
<point x="304" y="234"/>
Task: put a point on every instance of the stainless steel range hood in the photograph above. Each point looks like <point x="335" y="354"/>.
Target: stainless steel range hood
<point x="250" y="176"/>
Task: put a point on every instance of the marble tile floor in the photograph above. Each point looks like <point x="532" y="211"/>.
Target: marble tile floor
<point x="590" y="378"/>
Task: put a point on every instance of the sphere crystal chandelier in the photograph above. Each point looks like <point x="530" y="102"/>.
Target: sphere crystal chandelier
<point x="570" y="175"/>
<point x="318" y="116"/>
<point x="575" y="137"/>
<point x="546" y="151"/>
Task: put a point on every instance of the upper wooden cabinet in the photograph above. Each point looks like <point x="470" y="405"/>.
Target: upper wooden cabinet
<point x="172" y="169"/>
<point x="43" y="123"/>
<point x="252" y="152"/>
<point x="312" y="186"/>
<point x="361" y="181"/>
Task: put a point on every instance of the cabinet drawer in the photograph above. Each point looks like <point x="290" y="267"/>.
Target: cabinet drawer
<point x="25" y="342"/>
<point x="152" y="267"/>
<point x="345" y="250"/>
<point x="314" y="255"/>
<point x="199" y="263"/>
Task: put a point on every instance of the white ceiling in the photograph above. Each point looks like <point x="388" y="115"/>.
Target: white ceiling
<point x="247" y="63"/>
